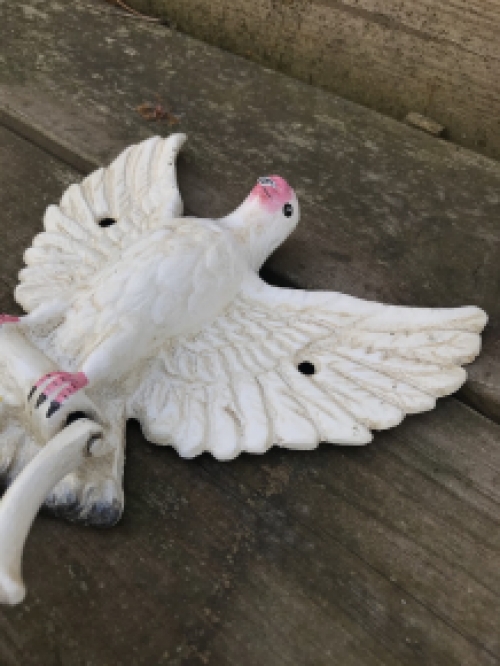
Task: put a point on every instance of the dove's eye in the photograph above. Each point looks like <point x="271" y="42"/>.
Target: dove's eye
<point x="288" y="210"/>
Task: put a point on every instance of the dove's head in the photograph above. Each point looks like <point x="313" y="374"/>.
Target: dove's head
<point x="265" y="219"/>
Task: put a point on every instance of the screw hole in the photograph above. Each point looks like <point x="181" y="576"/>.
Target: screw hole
<point x="306" y="368"/>
<point x="107" y="222"/>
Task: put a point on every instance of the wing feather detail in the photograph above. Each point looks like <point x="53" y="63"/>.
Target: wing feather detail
<point x="138" y="190"/>
<point x="373" y="364"/>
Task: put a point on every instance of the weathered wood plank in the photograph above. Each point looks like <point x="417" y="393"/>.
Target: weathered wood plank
<point x="27" y="186"/>
<point x="388" y="213"/>
<point x="387" y="555"/>
<point x="395" y="56"/>
<point x="402" y="524"/>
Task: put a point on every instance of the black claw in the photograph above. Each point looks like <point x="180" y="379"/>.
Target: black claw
<point x="41" y="400"/>
<point x="30" y="394"/>
<point x="54" y="406"/>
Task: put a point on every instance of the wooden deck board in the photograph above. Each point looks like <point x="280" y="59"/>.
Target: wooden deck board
<point x="387" y="555"/>
<point x="388" y="213"/>
<point x="394" y="56"/>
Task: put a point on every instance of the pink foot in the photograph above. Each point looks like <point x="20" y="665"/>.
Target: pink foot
<point x="8" y="319"/>
<point x="58" y="386"/>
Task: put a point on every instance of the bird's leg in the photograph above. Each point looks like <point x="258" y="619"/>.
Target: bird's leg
<point x="25" y="364"/>
<point x="93" y="493"/>
<point x="57" y="395"/>
<point x="57" y="387"/>
<point x="114" y="357"/>
<point x="44" y="387"/>
<point x="56" y="391"/>
<point x="107" y="362"/>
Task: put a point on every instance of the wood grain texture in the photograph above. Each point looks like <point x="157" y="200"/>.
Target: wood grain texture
<point x="388" y="213"/>
<point x="387" y="555"/>
<point x="439" y="59"/>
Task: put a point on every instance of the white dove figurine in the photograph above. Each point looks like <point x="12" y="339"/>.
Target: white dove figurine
<point x="137" y="312"/>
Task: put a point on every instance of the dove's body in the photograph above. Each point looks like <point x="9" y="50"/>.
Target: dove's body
<point x="170" y="282"/>
<point x="164" y="319"/>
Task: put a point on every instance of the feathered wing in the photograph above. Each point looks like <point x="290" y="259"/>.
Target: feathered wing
<point x="139" y="190"/>
<point x="239" y="385"/>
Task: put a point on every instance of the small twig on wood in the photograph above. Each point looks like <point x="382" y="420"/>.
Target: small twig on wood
<point x="158" y="111"/>
<point x="133" y="11"/>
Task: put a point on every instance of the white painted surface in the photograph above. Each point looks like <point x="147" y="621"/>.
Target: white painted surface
<point x="167" y="318"/>
<point x="21" y="502"/>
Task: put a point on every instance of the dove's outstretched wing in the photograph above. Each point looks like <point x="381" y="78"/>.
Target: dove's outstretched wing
<point x="98" y="218"/>
<point x="295" y="368"/>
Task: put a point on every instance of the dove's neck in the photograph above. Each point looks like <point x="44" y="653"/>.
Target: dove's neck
<point x="253" y="232"/>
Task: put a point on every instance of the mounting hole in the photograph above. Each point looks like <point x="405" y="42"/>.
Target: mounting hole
<point x="107" y="222"/>
<point x="306" y="368"/>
